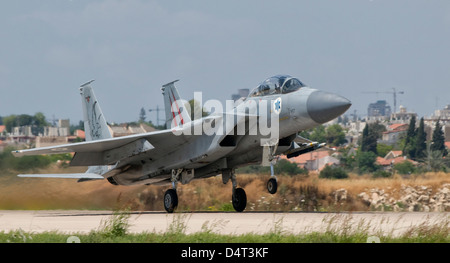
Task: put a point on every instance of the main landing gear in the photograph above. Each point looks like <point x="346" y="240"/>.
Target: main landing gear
<point x="272" y="184"/>
<point x="238" y="197"/>
<point x="170" y="200"/>
<point x="171" y="196"/>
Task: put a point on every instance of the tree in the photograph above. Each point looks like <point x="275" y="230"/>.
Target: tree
<point x="366" y="162"/>
<point x="142" y="115"/>
<point x="330" y="172"/>
<point x="347" y="158"/>
<point x="195" y="110"/>
<point x="421" y="141"/>
<point x="405" y="167"/>
<point x="40" y="120"/>
<point x="9" y="122"/>
<point x="383" y="149"/>
<point x="284" y="166"/>
<point x="369" y="141"/>
<point x="318" y="134"/>
<point x="335" y="135"/>
<point x="438" y="141"/>
<point x="434" y="160"/>
<point x="377" y="129"/>
<point x="409" y="148"/>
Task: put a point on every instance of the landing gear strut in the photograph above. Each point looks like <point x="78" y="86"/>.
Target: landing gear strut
<point x="238" y="198"/>
<point x="171" y="196"/>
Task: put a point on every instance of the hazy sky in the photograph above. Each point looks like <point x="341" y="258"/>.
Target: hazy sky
<point x="48" y="48"/>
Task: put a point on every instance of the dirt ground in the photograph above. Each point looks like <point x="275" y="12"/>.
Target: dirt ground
<point x="298" y="193"/>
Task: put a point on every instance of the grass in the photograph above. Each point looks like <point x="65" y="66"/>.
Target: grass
<point x="55" y="237"/>
<point x="338" y="229"/>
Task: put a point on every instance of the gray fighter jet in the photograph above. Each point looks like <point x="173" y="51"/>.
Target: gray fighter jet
<point x="252" y="130"/>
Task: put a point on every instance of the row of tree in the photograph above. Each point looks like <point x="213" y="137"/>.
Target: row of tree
<point x="416" y="141"/>
<point x="414" y="145"/>
<point x="38" y="120"/>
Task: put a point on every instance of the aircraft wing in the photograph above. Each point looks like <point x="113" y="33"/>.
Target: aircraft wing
<point x="109" y="151"/>
<point x="66" y="176"/>
<point x="301" y="145"/>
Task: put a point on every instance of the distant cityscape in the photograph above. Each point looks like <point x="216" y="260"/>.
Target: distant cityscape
<point x="396" y="124"/>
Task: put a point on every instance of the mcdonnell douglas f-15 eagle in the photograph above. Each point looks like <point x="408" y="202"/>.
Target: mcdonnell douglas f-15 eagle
<point x="254" y="130"/>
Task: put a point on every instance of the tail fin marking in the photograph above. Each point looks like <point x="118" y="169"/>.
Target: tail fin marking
<point x="95" y="124"/>
<point x="176" y="114"/>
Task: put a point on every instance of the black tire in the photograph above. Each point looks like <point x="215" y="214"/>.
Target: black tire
<point x="239" y="200"/>
<point x="272" y="185"/>
<point x="170" y="200"/>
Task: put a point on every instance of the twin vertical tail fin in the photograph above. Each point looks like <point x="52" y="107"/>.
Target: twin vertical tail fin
<point x="176" y="113"/>
<point x="95" y="124"/>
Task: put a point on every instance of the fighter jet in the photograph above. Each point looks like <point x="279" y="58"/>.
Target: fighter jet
<point x="253" y="130"/>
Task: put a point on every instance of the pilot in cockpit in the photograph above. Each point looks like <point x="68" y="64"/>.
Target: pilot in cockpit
<point x="277" y="85"/>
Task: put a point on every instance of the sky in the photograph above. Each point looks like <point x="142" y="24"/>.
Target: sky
<point x="48" y="48"/>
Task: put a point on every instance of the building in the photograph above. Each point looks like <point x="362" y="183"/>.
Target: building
<point x="124" y="130"/>
<point x="394" y="133"/>
<point x="2" y="131"/>
<point x="443" y="114"/>
<point x="379" y="109"/>
<point x="403" y="116"/>
<point x="62" y="129"/>
<point x="315" y="160"/>
<point x="392" y="158"/>
<point x="354" y="130"/>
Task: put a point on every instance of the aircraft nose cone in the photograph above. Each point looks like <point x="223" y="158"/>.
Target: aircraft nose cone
<point x="324" y="106"/>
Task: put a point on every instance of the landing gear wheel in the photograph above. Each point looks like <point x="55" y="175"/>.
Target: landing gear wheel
<point x="272" y="185"/>
<point x="170" y="200"/>
<point x="239" y="199"/>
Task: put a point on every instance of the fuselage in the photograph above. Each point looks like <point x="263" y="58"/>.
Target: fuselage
<point x="274" y="113"/>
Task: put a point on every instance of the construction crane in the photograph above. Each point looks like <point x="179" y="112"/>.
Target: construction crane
<point x="394" y="92"/>
<point x="157" y="113"/>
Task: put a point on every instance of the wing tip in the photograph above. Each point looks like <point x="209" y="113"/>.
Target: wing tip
<point x="89" y="176"/>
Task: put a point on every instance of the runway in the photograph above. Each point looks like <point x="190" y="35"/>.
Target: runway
<point x="388" y="223"/>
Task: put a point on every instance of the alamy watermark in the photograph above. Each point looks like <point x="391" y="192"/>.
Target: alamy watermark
<point x="252" y="116"/>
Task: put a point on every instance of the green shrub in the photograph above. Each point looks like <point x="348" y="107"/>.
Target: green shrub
<point x="284" y="166"/>
<point x="366" y="162"/>
<point x="405" y="167"/>
<point x="331" y="172"/>
<point x="381" y="174"/>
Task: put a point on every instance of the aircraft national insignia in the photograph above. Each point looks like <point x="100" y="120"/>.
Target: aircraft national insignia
<point x="88" y="98"/>
<point x="277" y="105"/>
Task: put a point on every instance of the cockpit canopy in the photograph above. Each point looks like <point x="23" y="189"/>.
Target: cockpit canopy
<point x="277" y="85"/>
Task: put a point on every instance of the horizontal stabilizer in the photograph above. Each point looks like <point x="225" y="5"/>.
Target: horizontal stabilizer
<point x="90" y="176"/>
